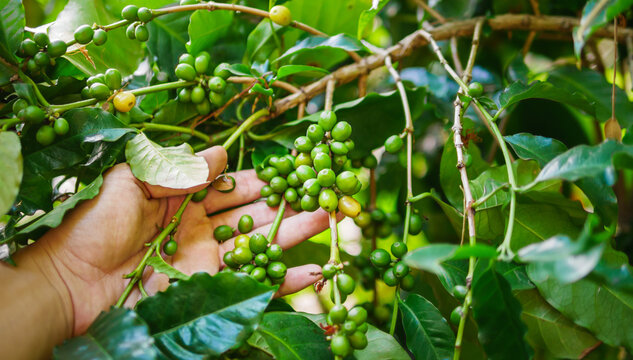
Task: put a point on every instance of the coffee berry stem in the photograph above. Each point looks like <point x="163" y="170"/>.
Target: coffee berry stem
<point x="154" y="247"/>
<point x="244" y="127"/>
<point x="172" y="128"/>
<point x="277" y="222"/>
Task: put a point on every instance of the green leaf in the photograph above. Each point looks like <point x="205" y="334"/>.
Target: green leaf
<point x="497" y="314"/>
<point x="290" y="336"/>
<point x="549" y="330"/>
<point x="53" y="218"/>
<point x="381" y="346"/>
<point x="588" y="161"/>
<point x="565" y="259"/>
<point x="515" y="274"/>
<point x="601" y="308"/>
<point x="173" y="167"/>
<point x="205" y="316"/>
<point x="265" y="149"/>
<point x="366" y="115"/>
<point x="330" y="16"/>
<point x="597" y="90"/>
<point x="262" y="43"/>
<point x="11" y="28"/>
<point x="313" y="44"/>
<point x="595" y="15"/>
<point x="162" y="267"/>
<point x="10" y="169"/>
<point x="207" y="27"/>
<point x="175" y="112"/>
<point x="94" y="142"/>
<point x="118" y="52"/>
<point x="367" y="16"/>
<point x="168" y="36"/>
<point x="539" y="148"/>
<point x="518" y="91"/>
<point x="431" y="257"/>
<point x="116" y="334"/>
<point x="428" y="334"/>
<point x="289" y="70"/>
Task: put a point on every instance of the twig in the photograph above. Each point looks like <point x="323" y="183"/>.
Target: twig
<point x="431" y="11"/>
<point x="615" y="65"/>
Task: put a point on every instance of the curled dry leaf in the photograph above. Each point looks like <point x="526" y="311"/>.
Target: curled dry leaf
<point x="224" y="183"/>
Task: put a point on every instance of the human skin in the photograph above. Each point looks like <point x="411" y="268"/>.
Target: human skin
<point x="75" y="271"/>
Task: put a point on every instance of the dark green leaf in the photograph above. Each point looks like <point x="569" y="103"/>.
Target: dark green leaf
<point x="289" y="70"/>
<point x="317" y="43"/>
<point x="515" y="274"/>
<point x="11" y="28"/>
<point x="116" y="334"/>
<point x="160" y="266"/>
<point x="174" y="112"/>
<point x="595" y="15"/>
<point x="428" y="334"/>
<point x="118" y="52"/>
<point x="597" y="90"/>
<point x="539" y="148"/>
<point x="263" y="41"/>
<point x="173" y="167"/>
<point x="205" y="316"/>
<point x="549" y="330"/>
<point x="290" y="336"/>
<point x="265" y="149"/>
<point x="431" y="257"/>
<point x="206" y="27"/>
<point x="497" y="314"/>
<point x="53" y="218"/>
<point x="565" y="259"/>
<point x="367" y="16"/>
<point x="168" y="35"/>
<point x="602" y="309"/>
<point x="10" y="169"/>
<point x="518" y="91"/>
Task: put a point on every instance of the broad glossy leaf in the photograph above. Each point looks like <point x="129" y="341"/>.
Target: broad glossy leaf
<point x="588" y="161"/>
<point x="168" y="36"/>
<point x="118" y="52"/>
<point x="597" y="90"/>
<point x="116" y="334"/>
<point x="94" y="142"/>
<point x="539" y="148"/>
<point x="549" y="330"/>
<point x="290" y="336"/>
<point x="11" y="28"/>
<point x="614" y="271"/>
<point x="10" y="169"/>
<point x="563" y="258"/>
<point x="515" y="274"/>
<point x="205" y="316"/>
<point x="595" y="15"/>
<point x="320" y="14"/>
<point x="314" y="44"/>
<point x="53" y="218"/>
<point x="543" y="150"/>
<point x="497" y="177"/>
<point x="289" y="70"/>
<point x="497" y="314"/>
<point x="367" y="16"/>
<point x="173" y="167"/>
<point x="518" y="91"/>
<point x="602" y="309"/>
<point x="428" y="334"/>
<point x="366" y="115"/>
<point x="262" y="41"/>
<point x="264" y="149"/>
<point x="207" y="27"/>
<point x="160" y="266"/>
<point x="431" y="257"/>
<point x="174" y="112"/>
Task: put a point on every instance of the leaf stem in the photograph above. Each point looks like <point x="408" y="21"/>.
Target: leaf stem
<point x="277" y="222"/>
<point x="244" y="126"/>
<point x="394" y="314"/>
<point x="171" y="128"/>
<point x="36" y="90"/>
<point x="240" y="157"/>
<point x="137" y="274"/>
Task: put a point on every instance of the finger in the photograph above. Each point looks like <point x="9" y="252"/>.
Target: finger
<point x="247" y="188"/>
<point x="197" y="252"/>
<point x="292" y="230"/>
<point x="298" y="278"/>
<point x="261" y="213"/>
<point x="216" y="160"/>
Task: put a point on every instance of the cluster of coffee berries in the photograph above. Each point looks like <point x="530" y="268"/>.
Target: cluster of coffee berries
<point x="320" y="167"/>
<point x="283" y="181"/>
<point x="381" y="224"/>
<point x="345" y="284"/>
<point x="350" y="328"/>
<point x="138" y="18"/>
<point x="210" y="89"/>
<point x="393" y="272"/>
<point x="40" y="51"/>
<point x="34" y="115"/>
<point x="255" y="256"/>
<point x="102" y="86"/>
<point x="225" y="232"/>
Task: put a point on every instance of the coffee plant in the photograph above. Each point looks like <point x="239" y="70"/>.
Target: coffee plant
<point x="474" y="159"/>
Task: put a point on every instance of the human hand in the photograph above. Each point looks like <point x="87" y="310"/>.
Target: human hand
<point x="103" y="239"/>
